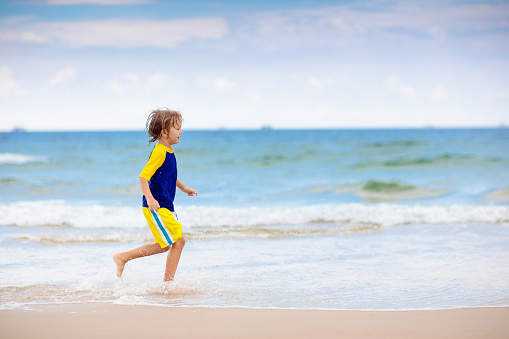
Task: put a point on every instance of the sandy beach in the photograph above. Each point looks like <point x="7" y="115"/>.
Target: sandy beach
<point x="97" y="320"/>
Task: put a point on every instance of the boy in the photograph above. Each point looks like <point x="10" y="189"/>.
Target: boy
<point x="158" y="181"/>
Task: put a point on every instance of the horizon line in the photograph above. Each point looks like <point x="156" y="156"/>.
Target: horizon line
<point x="266" y="128"/>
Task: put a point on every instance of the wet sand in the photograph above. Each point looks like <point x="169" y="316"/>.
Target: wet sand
<point x="99" y="320"/>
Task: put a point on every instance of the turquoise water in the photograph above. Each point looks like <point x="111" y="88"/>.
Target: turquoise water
<point x="334" y="219"/>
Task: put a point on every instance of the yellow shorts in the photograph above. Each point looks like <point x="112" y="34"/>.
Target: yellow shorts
<point x="164" y="226"/>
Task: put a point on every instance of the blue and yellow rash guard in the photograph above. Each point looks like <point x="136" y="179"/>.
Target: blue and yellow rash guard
<point x="161" y="173"/>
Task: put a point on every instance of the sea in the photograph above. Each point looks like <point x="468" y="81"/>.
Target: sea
<point x="360" y="219"/>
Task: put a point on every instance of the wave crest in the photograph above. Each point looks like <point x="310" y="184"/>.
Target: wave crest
<point x="20" y="159"/>
<point x="206" y="218"/>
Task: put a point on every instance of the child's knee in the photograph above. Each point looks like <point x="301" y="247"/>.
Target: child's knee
<point x="179" y="244"/>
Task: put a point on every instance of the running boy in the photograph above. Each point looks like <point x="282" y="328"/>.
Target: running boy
<point x="158" y="181"/>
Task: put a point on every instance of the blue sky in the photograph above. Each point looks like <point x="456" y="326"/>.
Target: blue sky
<point x="104" y="64"/>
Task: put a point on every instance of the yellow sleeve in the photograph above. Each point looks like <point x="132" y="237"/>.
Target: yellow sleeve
<point x="154" y="162"/>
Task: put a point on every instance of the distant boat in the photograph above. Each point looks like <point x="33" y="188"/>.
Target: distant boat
<point x="266" y="128"/>
<point x="18" y="130"/>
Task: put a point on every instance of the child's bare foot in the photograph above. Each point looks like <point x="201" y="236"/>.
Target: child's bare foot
<point x="168" y="287"/>
<point x="120" y="263"/>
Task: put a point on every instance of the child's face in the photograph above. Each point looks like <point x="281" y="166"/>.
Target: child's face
<point x="173" y="134"/>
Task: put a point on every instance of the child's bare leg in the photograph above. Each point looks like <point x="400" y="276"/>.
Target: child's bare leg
<point x="123" y="257"/>
<point x="173" y="258"/>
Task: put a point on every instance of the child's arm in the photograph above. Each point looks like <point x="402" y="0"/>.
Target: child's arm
<point x="145" y="188"/>
<point x="188" y="190"/>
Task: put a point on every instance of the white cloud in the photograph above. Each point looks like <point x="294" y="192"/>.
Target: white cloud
<point x="157" y="79"/>
<point x="502" y="94"/>
<point x="63" y="76"/>
<point x="8" y="84"/>
<point x="379" y="24"/>
<point x="134" y="84"/>
<point x="223" y="84"/>
<point x="220" y="84"/>
<point x="397" y="86"/>
<point x="321" y="82"/>
<point x="491" y="95"/>
<point x="439" y="93"/>
<point x="130" y="77"/>
<point x="28" y="36"/>
<point x="253" y="95"/>
<point x="374" y="23"/>
<point x="126" y="81"/>
<point x="119" y="33"/>
<point x="115" y="86"/>
<point x="32" y="37"/>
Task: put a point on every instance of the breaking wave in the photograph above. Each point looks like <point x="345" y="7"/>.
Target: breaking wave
<point x="19" y="159"/>
<point x="58" y="213"/>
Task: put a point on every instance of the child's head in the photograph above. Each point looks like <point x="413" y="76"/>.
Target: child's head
<point x="161" y="119"/>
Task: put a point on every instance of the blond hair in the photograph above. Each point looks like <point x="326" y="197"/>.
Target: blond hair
<point x="159" y="120"/>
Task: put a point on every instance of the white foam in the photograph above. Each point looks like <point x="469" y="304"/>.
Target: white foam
<point x="355" y="213"/>
<point x="60" y="213"/>
<point x="19" y="159"/>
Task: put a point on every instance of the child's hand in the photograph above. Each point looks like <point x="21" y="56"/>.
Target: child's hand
<point x="153" y="205"/>
<point x="189" y="191"/>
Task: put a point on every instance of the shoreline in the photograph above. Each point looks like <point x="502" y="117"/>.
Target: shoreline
<point x="105" y="320"/>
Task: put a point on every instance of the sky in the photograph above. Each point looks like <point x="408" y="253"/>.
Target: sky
<point x="105" y="64"/>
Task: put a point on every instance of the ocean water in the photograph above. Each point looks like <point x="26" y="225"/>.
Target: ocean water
<point x="308" y="219"/>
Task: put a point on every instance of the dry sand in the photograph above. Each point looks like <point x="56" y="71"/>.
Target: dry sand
<point x="97" y="320"/>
